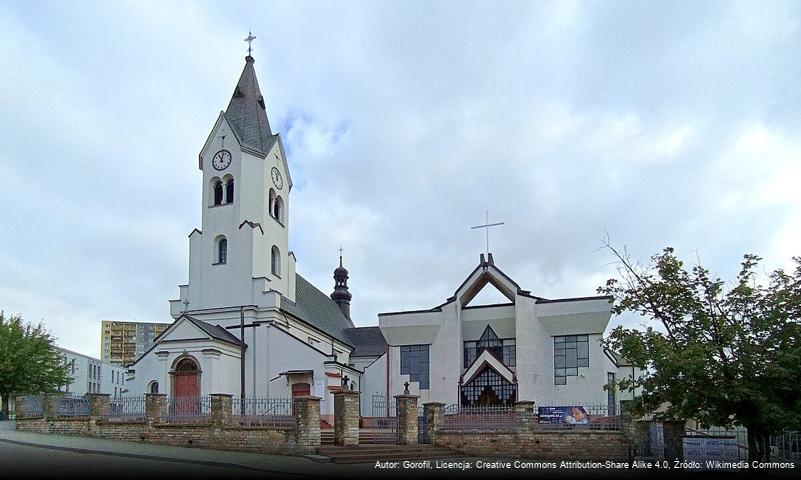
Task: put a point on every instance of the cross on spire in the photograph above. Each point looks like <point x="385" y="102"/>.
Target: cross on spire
<point x="487" y="226"/>
<point x="340" y="254"/>
<point x="250" y="39"/>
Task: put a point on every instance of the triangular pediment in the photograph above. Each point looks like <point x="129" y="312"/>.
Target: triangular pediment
<point x="489" y="294"/>
<point x="183" y="329"/>
<point x="487" y="360"/>
<point x="486" y="274"/>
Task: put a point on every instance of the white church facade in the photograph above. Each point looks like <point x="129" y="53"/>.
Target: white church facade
<point x="245" y="314"/>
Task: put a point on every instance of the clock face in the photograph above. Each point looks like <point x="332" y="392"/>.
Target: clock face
<point x="277" y="180"/>
<point x="221" y="160"/>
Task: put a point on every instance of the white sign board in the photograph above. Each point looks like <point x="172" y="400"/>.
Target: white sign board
<point x="710" y="453"/>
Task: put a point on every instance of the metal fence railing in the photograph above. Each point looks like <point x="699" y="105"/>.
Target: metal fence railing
<point x="490" y="418"/>
<point x="30" y="406"/>
<point x="126" y="409"/>
<point x="787" y="447"/>
<point x="263" y="412"/>
<point x="72" y="406"/>
<point x="383" y="415"/>
<point x="188" y="410"/>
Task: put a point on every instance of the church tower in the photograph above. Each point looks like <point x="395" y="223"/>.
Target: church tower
<point x="341" y="293"/>
<point x="241" y="250"/>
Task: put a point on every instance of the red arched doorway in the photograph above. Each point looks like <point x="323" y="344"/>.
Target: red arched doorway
<point x="186" y="378"/>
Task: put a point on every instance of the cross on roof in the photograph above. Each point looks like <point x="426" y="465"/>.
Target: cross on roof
<point x="487" y="226"/>
<point x="250" y="39"/>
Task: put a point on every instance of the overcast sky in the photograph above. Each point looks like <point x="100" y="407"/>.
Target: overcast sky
<point x="665" y="123"/>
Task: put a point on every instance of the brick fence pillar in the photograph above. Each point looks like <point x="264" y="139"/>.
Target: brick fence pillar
<point x="221" y="409"/>
<point x="524" y="416"/>
<point x="99" y="406"/>
<point x="434" y="413"/>
<point x="406" y="409"/>
<point x="673" y="433"/>
<point x="50" y="402"/>
<point x="307" y="423"/>
<point x="19" y="407"/>
<point x="155" y="407"/>
<point x="346" y="418"/>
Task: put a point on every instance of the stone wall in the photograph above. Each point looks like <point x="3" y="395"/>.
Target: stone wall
<point x="543" y="445"/>
<point x="215" y="432"/>
<point x="528" y="440"/>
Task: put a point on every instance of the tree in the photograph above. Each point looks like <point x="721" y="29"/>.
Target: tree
<point x="29" y="360"/>
<point x="721" y="355"/>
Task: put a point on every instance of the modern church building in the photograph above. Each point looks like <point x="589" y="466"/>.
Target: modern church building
<point x="246" y="314"/>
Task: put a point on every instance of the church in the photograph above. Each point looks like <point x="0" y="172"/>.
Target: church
<point x="247" y="324"/>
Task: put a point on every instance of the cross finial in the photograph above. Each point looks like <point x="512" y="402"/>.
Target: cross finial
<point x="250" y="39"/>
<point x="487" y="226"/>
<point x="186" y="305"/>
<point x="340" y="254"/>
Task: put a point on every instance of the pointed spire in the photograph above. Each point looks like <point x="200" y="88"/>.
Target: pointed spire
<point x="246" y="111"/>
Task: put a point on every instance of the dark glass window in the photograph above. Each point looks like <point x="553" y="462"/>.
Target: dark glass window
<point x="488" y="388"/>
<point x="414" y="362"/>
<point x="222" y="251"/>
<point x="502" y="349"/>
<point x="569" y="353"/>
<point x="218" y="192"/>
<point x="229" y="191"/>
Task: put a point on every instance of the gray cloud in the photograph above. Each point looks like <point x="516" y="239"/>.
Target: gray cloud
<point x="662" y="124"/>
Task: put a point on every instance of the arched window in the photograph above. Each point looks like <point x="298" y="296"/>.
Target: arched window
<point x="153" y="388"/>
<point x="222" y="250"/>
<point x="229" y="191"/>
<point x="218" y="192"/>
<point x="276" y="262"/>
<point x="271" y="202"/>
<point x="186" y="365"/>
<point x="278" y="209"/>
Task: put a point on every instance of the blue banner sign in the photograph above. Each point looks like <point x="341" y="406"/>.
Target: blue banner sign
<point x="570" y="415"/>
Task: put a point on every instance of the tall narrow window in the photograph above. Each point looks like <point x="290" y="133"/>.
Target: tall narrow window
<point x="278" y="209"/>
<point x="229" y="191"/>
<point x="276" y="262"/>
<point x="611" y="394"/>
<point x="271" y="206"/>
<point x="222" y="251"/>
<point x="218" y="192"/>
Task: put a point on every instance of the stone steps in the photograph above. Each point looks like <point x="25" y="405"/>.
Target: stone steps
<point x="373" y="453"/>
<point x="365" y="437"/>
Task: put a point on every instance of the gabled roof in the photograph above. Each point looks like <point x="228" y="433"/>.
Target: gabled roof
<point x="487" y="360"/>
<point x="247" y="114"/>
<point x="214" y="331"/>
<point x="617" y="358"/>
<point x="318" y="310"/>
<point x="369" y="341"/>
<point x="486" y="272"/>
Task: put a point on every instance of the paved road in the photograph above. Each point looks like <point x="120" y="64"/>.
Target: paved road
<point x="27" y="461"/>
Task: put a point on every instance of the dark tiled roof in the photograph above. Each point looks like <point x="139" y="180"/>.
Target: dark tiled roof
<point x="318" y="310"/>
<point x="214" y="331"/>
<point x="246" y="112"/>
<point x="369" y="341"/>
<point x="618" y="359"/>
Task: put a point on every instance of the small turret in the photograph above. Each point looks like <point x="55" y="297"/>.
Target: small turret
<point x="341" y="294"/>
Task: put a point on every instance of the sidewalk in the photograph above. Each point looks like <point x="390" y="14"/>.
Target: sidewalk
<point x="277" y="464"/>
